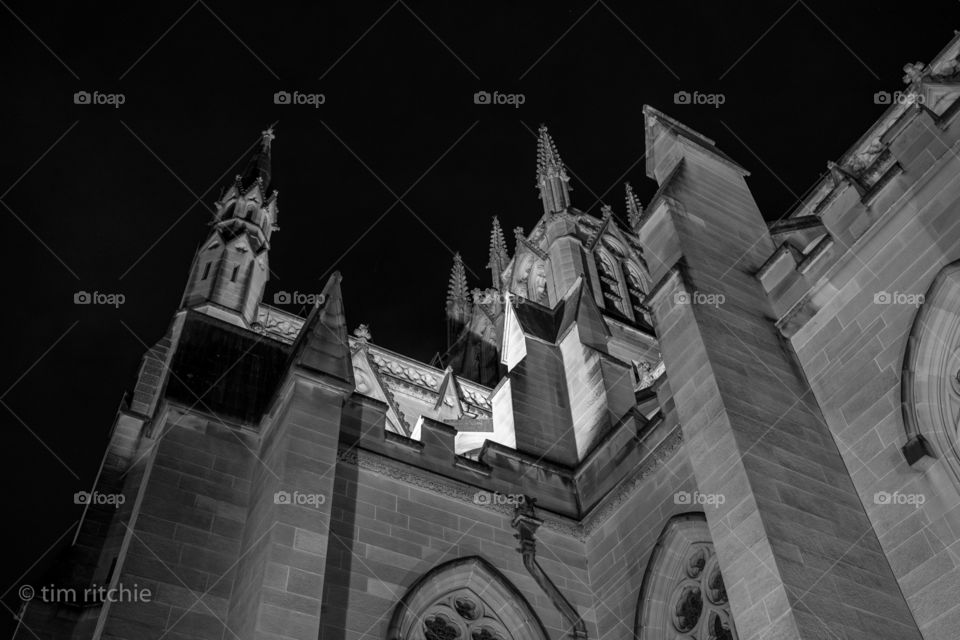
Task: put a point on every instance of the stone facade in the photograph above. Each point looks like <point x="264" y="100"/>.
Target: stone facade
<point x="690" y="425"/>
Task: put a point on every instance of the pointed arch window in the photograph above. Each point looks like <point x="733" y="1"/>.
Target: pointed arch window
<point x="683" y="596"/>
<point x="636" y="290"/>
<point x="611" y="282"/>
<point x="465" y="599"/>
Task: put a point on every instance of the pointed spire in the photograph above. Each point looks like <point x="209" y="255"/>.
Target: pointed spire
<point x="458" y="296"/>
<point x="548" y="157"/>
<point x="634" y="208"/>
<point x="457" y="289"/>
<point x="552" y="179"/>
<point x="259" y="166"/>
<point x="499" y="256"/>
<point x="322" y="344"/>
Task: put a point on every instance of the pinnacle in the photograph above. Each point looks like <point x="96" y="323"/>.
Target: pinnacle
<point x="258" y="168"/>
<point x="457" y="289"/>
<point x="499" y="256"/>
<point x="634" y="208"/>
<point x="548" y="157"/>
<point x="498" y="245"/>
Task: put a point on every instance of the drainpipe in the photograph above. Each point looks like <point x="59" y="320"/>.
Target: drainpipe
<point x="526" y="523"/>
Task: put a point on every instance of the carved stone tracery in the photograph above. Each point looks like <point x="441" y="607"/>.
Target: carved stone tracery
<point x="464" y="599"/>
<point x="683" y="595"/>
<point x="462" y="616"/>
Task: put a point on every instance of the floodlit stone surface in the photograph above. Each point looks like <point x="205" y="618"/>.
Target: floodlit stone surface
<point x="695" y="426"/>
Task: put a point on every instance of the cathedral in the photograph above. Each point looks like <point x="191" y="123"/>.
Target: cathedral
<point x="672" y="421"/>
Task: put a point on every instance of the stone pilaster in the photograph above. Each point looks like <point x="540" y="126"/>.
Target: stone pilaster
<point x="799" y="555"/>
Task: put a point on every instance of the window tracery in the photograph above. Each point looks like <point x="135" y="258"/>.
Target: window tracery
<point x="463" y="616"/>
<point x="465" y="599"/>
<point x="683" y="595"/>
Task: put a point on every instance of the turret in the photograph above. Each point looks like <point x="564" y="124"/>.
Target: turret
<point x="231" y="269"/>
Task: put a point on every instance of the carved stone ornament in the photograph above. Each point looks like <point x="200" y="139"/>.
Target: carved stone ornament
<point x="277" y="325"/>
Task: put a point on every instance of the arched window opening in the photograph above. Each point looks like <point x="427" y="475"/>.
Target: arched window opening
<point x="610" y="283"/>
<point x="683" y="596"/>
<point x="636" y="291"/>
<point x="465" y="599"/>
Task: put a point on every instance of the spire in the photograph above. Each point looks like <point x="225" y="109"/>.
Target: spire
<point x="259" y="166"/>
<point x="634" y="208"/>
<point x="499" y="256"/>
<point x="322" y="343"/>
<point x="458" y="297"/>
<point x="552" y="179"/>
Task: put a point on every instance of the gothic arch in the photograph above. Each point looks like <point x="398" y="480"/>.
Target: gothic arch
<point x="930" y="384"/>
<point x="683" y="596"/>
<point x="638" y="286"/>
<point x="611" y="280"/>
<point x="464" y="599"/>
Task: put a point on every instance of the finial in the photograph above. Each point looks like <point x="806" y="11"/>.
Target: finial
<point x="606" y="211"/>
<point x="912" y="72"/>
<point x="362" y="333"/>
<point x="267" y="136"/>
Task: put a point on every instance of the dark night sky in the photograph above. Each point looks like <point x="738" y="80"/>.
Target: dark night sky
<point x="106" y="199"/>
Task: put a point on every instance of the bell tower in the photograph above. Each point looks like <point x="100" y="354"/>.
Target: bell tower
<point x="231" y="268"/>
